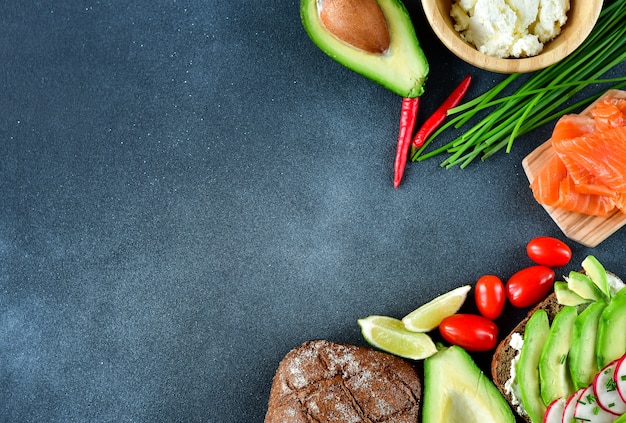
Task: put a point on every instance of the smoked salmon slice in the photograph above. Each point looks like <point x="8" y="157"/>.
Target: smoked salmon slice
<point x="609" y="113"/>
<point x="597" y="158"/>
<point x="620" y="202"/>
<point x="555" y="188"/>
<point x="587" y="174"/>
<point x="571" y="199"/>
<point x="545" y="186"/>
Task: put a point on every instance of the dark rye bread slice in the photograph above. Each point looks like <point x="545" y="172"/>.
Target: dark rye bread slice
<point x="504" y="353"/>
<point x="321" y="381"/>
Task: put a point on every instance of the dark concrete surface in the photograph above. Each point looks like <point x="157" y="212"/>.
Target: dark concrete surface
<point x="188" y="190"/>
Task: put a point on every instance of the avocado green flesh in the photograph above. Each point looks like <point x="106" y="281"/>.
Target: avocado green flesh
<point x="536" y="334"/>
<point x="555" y="379"/>
<point x="582" y="285"/>
<point x="582" y="356"/>
<point x="456" y="390"/>
<point x="566" y="296"/>
<point x="612" y="330"/>
<point x="402" y="69"/>
<point x="596" y="273"/>
<point x="575" y="346"/>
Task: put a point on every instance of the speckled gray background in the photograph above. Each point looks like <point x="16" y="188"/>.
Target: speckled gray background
<point x="190" y="189"/>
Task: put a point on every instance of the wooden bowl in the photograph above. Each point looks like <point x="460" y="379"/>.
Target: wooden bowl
<point x="581" y="19"/>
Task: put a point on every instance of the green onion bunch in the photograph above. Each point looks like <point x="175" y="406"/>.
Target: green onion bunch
<point x="539" y="100"/>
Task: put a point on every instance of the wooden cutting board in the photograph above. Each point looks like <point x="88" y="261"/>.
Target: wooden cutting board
<point x="584" y="229"/>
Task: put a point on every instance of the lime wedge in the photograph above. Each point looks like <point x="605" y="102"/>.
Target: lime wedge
<point x="390" y="335"/>
<point x="428" y="316"/>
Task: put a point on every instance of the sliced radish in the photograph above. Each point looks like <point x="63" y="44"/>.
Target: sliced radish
<point x="588" y="410"/>
<point x="620" y="377"/>
<point x="605" y="390"/>
<point x="554" y="412"/>
<point x="570" y="406"/>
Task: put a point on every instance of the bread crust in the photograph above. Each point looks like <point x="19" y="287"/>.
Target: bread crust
<point x="321" y="381"/>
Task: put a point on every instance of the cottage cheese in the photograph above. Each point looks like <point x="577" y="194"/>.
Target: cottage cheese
<point x="510" y="386"/>
<point x="509" y="28"/>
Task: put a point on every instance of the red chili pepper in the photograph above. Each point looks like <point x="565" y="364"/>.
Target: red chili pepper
<point x="440" y="114"/>
<point x="408" y="116"/>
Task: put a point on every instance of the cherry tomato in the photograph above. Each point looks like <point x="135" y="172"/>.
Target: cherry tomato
<point x="470" y="331"/>
<point x="548" y="251"/>
<point x="489" y="296"/>
<point x="529" y="286"/>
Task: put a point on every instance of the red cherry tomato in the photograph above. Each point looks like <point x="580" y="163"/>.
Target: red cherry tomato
<point x="529" y="286"/>
<point x="548" y="251"/>
<point x="470" y="331"/>
<point x="489" y="296"/>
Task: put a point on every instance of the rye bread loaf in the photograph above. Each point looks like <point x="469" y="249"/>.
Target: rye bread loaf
<point x="504" y="353"/>
<point x="321" y="381"/>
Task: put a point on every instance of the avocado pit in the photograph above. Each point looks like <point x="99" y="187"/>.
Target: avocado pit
<point x="360" y="23"/>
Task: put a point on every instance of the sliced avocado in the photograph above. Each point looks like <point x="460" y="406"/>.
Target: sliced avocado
<point x="582" y="285"/>
<point x="612" y="330"/>
<point x="535" y="336"/>
<point x="374" y="38"/>
<point x="456" y="390"/>
<point x="554" y="376"/>
<point x="596" y="273"/>
<point x="566" y="296"/>
<point x="582" y="354"/>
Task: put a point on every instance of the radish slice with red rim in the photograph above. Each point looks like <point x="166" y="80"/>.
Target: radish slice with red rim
<point x="620" y="377"/>
<point x="605" y="390"/>
<point x="554" y="412"/>
<point x="570" y="406"/>
<point x="588" y="410"/>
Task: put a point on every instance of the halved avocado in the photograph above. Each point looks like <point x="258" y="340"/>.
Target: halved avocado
<point x="374" y="38"/>
<point x="456" y="390"/>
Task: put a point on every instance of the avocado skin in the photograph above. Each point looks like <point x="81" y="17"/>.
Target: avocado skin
<point x="582" y="356"/>
<point x="402" y="69"/>
<point x="453" y="382"/>
<point x="537" y="332"/>
<point x="611" y="342"/>
<point x="555" y="379"/>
